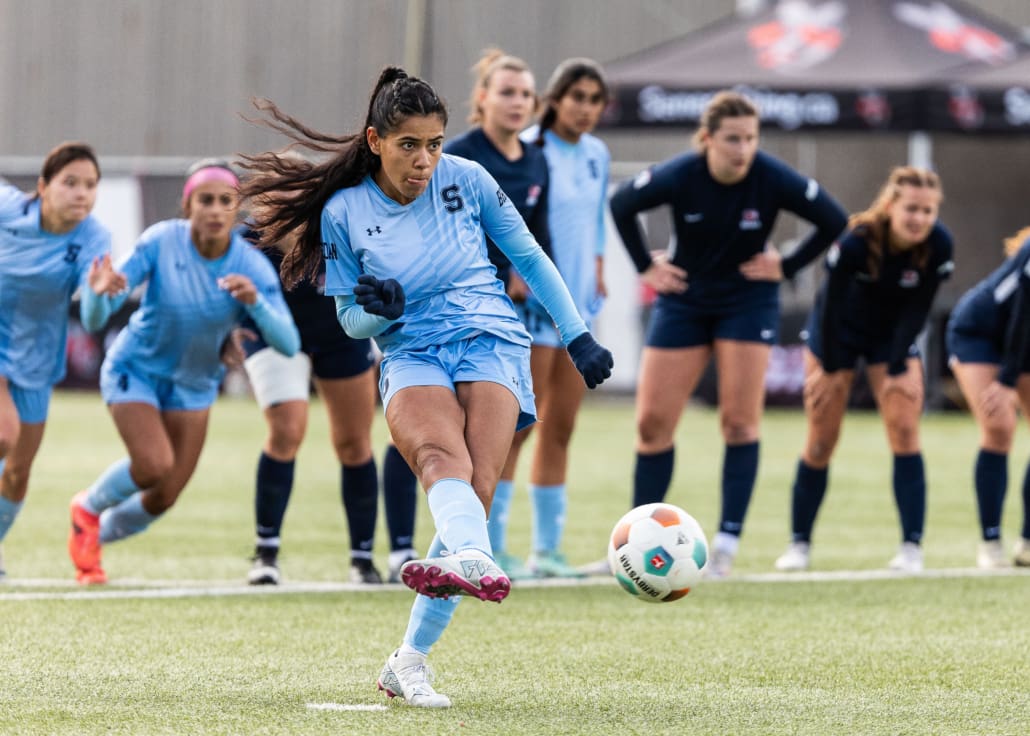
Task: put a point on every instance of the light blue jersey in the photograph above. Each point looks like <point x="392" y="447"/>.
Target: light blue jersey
<point x="577" y="201"/>
<point x="39" y="272"/>
<point x="436" y="249"/>
<point x="177" y="332"/>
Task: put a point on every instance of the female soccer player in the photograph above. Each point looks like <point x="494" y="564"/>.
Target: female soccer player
<point x="50" y="245"/>
<point x="578" y="165"/>
<point x="718" y="295"/>
<point x="989" y="344"/>
<point x="503" y="102"/>
<point x="345" y="379"/>
<point x="883" y="276"/>
<point x="401" y="228"/>
<point x="162" y="373"/>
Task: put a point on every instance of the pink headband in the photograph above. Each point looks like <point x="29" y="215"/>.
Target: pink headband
<point x="206" y="174"/>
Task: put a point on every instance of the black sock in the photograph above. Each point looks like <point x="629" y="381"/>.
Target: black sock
<point x="992" y="478"/>
<point x="1026" y="503"/>
<point x="808" y="492"/>
<point x="360" y="492"/>
<point x="910" y="495"/>
<point x="400" y="498"/>
<point x="272" y="495"/>
<point x="739" y="469"/>
<point x="652" y="476"/>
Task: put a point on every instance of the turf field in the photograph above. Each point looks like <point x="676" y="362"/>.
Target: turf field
<point x="178" y="644"/>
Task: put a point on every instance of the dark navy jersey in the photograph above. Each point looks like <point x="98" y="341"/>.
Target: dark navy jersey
<point x="888" y="307"/>
<point x="717" y="227"/>
<point x="313" y="312"/>
<point x="999" y="308"/>
<point x="524" y="181"/>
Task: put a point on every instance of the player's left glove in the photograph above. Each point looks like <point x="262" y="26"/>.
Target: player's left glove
<point x="384" y="298"/>
<point x="591" y="359"/>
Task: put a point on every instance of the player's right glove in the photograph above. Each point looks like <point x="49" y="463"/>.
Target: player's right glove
<point x="384" y="298"/>
<point x="591" y="359"/>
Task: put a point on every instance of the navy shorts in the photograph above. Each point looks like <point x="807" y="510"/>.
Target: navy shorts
<point x="678" y="324"/>
<point x="852" y="345"/>
<point x="339" y="357"/>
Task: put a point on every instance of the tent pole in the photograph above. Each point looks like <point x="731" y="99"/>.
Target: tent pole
<point x="920" y="149"/>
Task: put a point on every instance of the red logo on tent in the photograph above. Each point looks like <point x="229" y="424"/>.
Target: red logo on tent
<point x="965" y="108"/>
<point x="801" y="36"/>
<point x="951" y="33"/>
<point x="873" y="108"/>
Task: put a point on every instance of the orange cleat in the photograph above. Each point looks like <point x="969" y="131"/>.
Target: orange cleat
<point x="84" y="543"/>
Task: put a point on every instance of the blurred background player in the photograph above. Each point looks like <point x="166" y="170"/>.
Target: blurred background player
<point x="161" y="375"/>
<point x="401" y="229"/>
<point x="989" y="347"/>
<point x="718" y="295"/>
<point x="577" y="164"/>
<point x="50" y="245"/>
<point x="503" y="102"/>
<point x="883" y="277"/>
<point x="345" y="380"/>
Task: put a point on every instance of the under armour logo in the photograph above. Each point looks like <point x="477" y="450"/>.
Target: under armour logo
<point x="374" y="230"/>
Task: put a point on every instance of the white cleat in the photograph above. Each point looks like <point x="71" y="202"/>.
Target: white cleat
<point x="909" y="559"/>
<point x="468" y="572"/>
<point x="796" y="559"/>
<point x="991" y="555"/>
<point x="1020" y="553"/>
<point x="720" y="564"/>
<point x="409" y="677"/>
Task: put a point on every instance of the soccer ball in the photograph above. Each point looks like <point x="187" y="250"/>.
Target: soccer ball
<point x="656" y="552"/>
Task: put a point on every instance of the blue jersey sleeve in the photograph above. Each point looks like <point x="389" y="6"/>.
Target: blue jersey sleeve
<point x="651" y="188"/>
<point x="913" y="315"/>
<point x="505" y="227"/>
<point x="805" y="198"/>
<point x="1017" y="332"/>
<point x="602" y="206"/>
<point x="269" y="312"/>
<point x="12" y="201"/>
<point x="843" y="261"/>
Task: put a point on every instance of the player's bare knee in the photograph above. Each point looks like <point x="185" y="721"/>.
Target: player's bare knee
<point x="904" y="437"/>
<point x="151" y="470"/>
<point x="736" y="432"/>
<point x="997" y="433"/>
<point x="435" y="461"/>
<point x="651" y="430"/>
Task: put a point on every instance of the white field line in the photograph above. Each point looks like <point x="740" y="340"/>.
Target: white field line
<point x="344" y="706"/>
<point x="142" y="589"/>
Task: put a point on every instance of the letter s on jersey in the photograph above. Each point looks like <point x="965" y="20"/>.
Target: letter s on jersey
<point x="452" y="200"/>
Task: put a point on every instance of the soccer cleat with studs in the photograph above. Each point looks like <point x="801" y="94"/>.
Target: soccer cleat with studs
<point x="408" y="676"/>
<point x="265" y="567"/>
<point x="468" y="572"/>
<point x="84" y="543"/>
<point x="798" y="557"/>
<point x="364" y="572"/>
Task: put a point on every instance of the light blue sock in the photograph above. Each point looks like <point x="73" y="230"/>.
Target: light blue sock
<point x="497" y="524"/>
<point x="112" y="487"/>
<point x="429" y="616"/>
<point x="127" y="518"/>
<point x="548" y="516"/>
<point x="459" y="516"/>
<point x="8" y="510"/>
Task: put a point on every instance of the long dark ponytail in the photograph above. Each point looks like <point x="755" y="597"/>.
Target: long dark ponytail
<point x="289" y="191"/>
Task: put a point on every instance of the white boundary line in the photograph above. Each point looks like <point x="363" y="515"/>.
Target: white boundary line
<point x="143" y="589"/>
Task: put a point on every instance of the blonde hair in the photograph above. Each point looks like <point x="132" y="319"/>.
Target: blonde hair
<point x="871" y="223"/>
<point x="1014" y="242"/>
<point x="725" y="104"/>
<point x="493" y="60"/>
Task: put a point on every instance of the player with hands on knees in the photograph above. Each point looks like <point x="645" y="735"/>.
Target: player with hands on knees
<point x="989" y="347"/>
<point x="882" y="278"/>
<point x="455" y="379"/>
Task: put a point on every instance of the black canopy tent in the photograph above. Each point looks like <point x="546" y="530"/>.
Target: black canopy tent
<point x="821" y="65"/>
<point x="994" y="100"/>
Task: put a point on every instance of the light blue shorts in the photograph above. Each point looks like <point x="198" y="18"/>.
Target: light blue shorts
<point x="33" y="404"/>
<point x="480" y="358"/>
<point x="120" y="384"/>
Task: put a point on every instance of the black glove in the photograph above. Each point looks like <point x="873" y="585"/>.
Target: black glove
<point x="591" y="359"/>
<point x="384" y="298"/>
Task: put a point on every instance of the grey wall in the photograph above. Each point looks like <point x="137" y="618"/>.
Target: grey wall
<point x="147" y="78"/>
